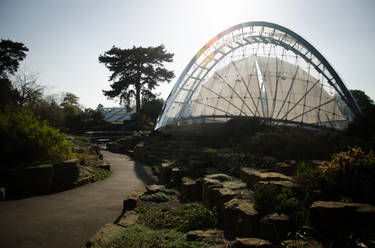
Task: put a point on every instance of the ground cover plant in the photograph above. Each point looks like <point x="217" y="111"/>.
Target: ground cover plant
<point x="100" y="174"/>
<point x="182" y="218"/>
<point x="140" y="236"/>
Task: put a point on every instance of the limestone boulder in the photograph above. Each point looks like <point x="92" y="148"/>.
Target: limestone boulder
<point x="65" y="174"/>
<point x="128" y="219"/>
<point x="131" y="202"/>
<point x="105" y="166"/>
<point x="252" y="176"/>
<point x="176" y="175"/>
<point x="37" y="179"/>
<point x="219" y="197"/>
<point x="154" y="188"/>
<point x="240" y="217"/>
<point x="282" y="184"/>
<point x="210" y="234"/>
<point x="334" y="217"/>
<point x="191" y="189"/>
<point x="105" y="234"/>
<point x="208" y="184"/>
<point x="165" y="173"/>
<point x="251" y="243"/>
<point x="275" y="227"/>
<point x="288" y="167"/>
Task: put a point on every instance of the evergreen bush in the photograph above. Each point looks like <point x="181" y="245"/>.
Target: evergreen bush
<point x="26" y="141"/>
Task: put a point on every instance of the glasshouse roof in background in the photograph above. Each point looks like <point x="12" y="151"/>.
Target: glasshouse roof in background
<point x="117" y="114"/>
<point x="264" y="70"/>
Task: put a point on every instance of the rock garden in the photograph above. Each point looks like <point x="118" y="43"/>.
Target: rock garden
<point x="215" y="195"/>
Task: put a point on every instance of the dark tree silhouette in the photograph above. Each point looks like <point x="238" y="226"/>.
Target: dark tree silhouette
<point x="136" y="72"/>
<point x="364" y="124"/>
<point x="365" y="103"/>
<point x="11" y="53"/>
<point x="70" y="98"/>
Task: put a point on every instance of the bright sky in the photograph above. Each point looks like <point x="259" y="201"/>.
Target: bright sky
<point x="66" y="37"/>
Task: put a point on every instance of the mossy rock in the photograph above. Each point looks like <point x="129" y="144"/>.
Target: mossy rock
<point x="220" y="177"/>
<point x="234" y="184"/>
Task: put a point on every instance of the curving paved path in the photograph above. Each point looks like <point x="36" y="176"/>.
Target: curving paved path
<point x="68" y="219"/>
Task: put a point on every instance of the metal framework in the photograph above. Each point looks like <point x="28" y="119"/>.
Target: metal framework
<point x="260" y="69"/>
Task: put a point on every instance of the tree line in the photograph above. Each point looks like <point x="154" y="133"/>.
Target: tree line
<point x="21" y="91"/>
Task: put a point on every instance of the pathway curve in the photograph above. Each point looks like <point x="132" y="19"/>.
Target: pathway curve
<point x="68" y="219"/>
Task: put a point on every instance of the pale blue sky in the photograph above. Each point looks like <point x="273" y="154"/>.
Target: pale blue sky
<point x="66" y="37"/>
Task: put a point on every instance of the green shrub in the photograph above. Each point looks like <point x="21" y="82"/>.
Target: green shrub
<point x="286" y="203"/>
<point x="26" y="141"/>
<point x="155" y="197"/>
<point x="265" y="197"/>
<point x="350" y="172"/>
<point x="100" y="174"/>
<point x="143" y="237"/>
<point x="183" y="218"/>
<point x="197" y="218"/>
<point x="305" y="169"/>
<point x="270" y="199"/>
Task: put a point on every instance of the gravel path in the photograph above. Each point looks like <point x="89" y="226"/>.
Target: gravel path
<point x="68" y="219"/>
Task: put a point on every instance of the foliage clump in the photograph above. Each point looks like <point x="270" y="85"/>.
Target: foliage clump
<point x="351" y="163"/>
<point x="100" y="174"/>
<point x="271" y="198"/>
<point x="184" y="218"/>
<point x="155" y="197"/>
<point x="142" y="236"/>
<point x="26" y="141"/>
<point x="350" y="173"/>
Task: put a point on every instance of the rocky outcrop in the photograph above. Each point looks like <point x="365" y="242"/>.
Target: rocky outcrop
<point x="219" y="197"/>
<point x="210" y="234"/>
<point x="151" y="189"/>
<point x="240" y="217"/>
<point x="288" y="167"/>
<point x="165" y="173"/>
<point x="252" y="176"/>
<point x="105" y="234"/>
<point x="131" y="202"/>
<point x="191" y="189"/>
<point x="208" y="184"/>
<point x="251" y="243"/>
<point x="334" y="217"/>
<point x="275" y="227"/>
<point x="282" y="184"/>
<point x="128" y="219"/>
<point x="65" y="174"/>
<point x="34" y="180"/>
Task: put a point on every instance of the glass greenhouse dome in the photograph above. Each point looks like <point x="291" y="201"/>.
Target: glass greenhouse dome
<point x="260" y="69"/>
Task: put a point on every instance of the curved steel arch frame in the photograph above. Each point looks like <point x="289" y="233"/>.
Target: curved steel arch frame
<point x="262" y="48"/>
